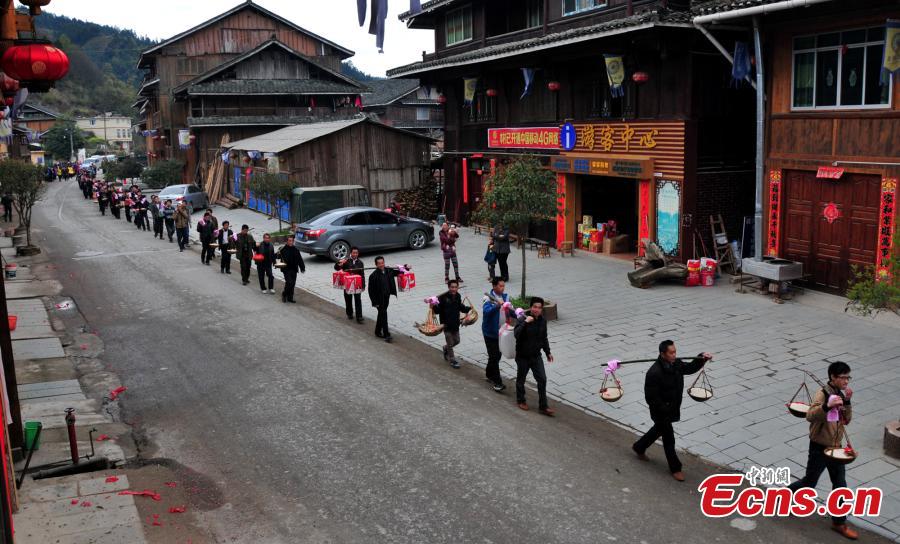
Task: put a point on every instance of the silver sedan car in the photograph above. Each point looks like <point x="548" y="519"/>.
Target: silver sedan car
<point x="195" y="197"/>
<point x="334" y="232"/>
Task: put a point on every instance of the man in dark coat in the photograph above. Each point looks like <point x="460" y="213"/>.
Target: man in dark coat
<point x="245" y="246"/>
<point x="353" y="265"/>
<point x="225" y="237"/>
<point x="500" y="235"/>
<point x="168" y="215"/>
<point x="383" y="284"/>
<point x="449" y="307"/>
<point x="264" y="267"/>
<point x="156" y="214"/>
<point x="663" y="390"/>
<point x="293" y="262"/>
<point x="206" y="229"/>
<point x="531" y="339"/>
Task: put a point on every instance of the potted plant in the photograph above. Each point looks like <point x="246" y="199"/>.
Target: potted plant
<point x="518" y="194"/>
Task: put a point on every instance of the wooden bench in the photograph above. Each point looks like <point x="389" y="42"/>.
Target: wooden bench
<point x="566" y="247"/>
<point x="535" y="243"/>
<point x="478" y="228"/>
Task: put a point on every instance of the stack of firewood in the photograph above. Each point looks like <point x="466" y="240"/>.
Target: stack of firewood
<point x="419" y="201"/>
<point x="215" y="185"/>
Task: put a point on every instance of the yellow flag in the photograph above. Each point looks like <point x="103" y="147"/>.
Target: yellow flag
<point x="892" y="46"/>
<point x="615" y="71"/>
<point x="470" y="86"/>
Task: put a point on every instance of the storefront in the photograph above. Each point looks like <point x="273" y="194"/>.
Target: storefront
<point x="630" y="173"/>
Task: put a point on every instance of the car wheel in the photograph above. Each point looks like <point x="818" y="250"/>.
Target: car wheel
<point x="417" y="239"/>
<point x="339" y="250"/>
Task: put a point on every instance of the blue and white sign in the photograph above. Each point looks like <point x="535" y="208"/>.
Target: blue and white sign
<point x="567" y="137"/>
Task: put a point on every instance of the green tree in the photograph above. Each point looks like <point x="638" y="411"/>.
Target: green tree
<point x="520" y="193"/>
<point x="163" y="173"/>
<point x="124" y="169"/>
<point x="56" y="140"/>
<point x="273" y="189"/>
<point x="869" y="292"/>
<point x="25" y="182"/>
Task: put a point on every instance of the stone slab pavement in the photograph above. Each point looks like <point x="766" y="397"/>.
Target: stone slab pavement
<point x="31" y="319"/>
<point x="761" y="350"/>
<point x="76" y="510"/>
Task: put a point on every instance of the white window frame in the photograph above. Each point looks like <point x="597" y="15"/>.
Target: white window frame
<point x="450" y="15"/>
<point x="423" y="113"/>
<point x="581" y="10"/>
<point x="840" y="67"/>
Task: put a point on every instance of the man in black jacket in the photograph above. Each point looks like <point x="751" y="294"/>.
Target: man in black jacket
<point x="449" y="307"/>
<point x="663" y="388"/>
<point x="531" y="339"/>
<point x="206" y="229"/>
<point x="383" y="284"/>
<point x="156" y="214"/>
<point x="225" y="237"/>
<point x="264" y="267"/>
<point x="293" y="262"/>
<point x="353" y="265"/>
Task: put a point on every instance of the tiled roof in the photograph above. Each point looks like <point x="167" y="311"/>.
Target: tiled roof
<point x="387" y="91"/>
<point x="617" y="26"/>
<point x="426" y="7"/>
<point x="272" y="87"/>
<point x="707" y="7"/>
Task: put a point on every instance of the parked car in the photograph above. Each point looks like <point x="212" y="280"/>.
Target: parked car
<point x="195" y="197"/>
<point x="334" y="232"/>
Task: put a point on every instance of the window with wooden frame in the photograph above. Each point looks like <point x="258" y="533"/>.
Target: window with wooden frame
<point x="840" y="70"/>
<point x="483" y="108"/>
<point x="572" y="7"/>
<point x="458" y="26"/>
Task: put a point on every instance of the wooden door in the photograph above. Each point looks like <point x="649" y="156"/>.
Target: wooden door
<point x="830" y="225"/>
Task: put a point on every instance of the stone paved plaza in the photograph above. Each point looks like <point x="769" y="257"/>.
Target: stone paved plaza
<point x="760" y="350"/>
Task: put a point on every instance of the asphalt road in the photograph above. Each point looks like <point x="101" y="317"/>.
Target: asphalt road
<point x="299" y="426"/>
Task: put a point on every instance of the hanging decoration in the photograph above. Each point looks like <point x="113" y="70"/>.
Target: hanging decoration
<point x="553" y="86"/>
<point x="886" y="225"/>
<point x="831" y="212"/>
<point x="890" y="64"/>
<point x="184" y="139"/>
<point x="491" y="92"/>
<point x="740" y="69"/>
<point x="615" y="73"/>
<point x="528" y="75"/>
<point x="442" y="99"/>
<point x="469" y="87"/>
<point x="640" y="77"/>
<point x="774" y="211"/>
<point x="35" y="63"/>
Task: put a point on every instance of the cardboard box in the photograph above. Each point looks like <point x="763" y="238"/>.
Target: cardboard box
<point x="616" y="244"/>
<point x="595" y="247"/>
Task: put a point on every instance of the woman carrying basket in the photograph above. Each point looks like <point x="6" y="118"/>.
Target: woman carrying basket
<point x="829" y="412"/>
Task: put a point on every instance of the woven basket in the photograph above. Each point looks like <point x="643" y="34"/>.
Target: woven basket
<point x="472" y="317"/>
<point x="430" y="327"/>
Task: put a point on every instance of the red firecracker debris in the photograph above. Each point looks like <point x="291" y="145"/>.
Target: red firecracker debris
<point x="177" y="510"/>
<point x="83" y="346"/>
<point x="103" y="438"/>
<point x="87" y="504"/>
<point x="171" y="484"/>
<point x="75" y="501"/>
<point x="156" y="522"/>
<point x="114" y="394"/>
<point x="112" y="479"/>
<point x="145" y="493"/>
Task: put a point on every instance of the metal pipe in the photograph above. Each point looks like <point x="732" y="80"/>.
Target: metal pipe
<point x="760" y="142"/>
<point x="722" y="50"/>
<point x="756" y="10"/>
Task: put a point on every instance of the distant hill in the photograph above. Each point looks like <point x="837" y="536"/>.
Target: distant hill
<point x="350" y="70"/>
<point x="103" y="59"/>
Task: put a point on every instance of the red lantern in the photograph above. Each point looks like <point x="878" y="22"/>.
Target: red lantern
<point x="491" y="92"/>
<point x="553" y="86"/>
<point x="640" y="77"/>
<point x="8" y="85"/>
<point x="442" y="99"/>
<point x="36" y="64"/>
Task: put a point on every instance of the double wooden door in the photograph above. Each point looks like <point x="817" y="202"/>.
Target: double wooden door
<point x="830" y="225"/>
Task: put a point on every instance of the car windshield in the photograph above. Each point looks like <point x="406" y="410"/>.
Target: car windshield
<point x="324" y="218"/>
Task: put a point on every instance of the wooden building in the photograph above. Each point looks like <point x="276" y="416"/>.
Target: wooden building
<point x="357" y="151"/>
<point x="404" y="103"/>
<point x="37" y="119"/>
<point x="833" y="135"/>
<point x="675" y="147"/>
<point x="244" y="73"/>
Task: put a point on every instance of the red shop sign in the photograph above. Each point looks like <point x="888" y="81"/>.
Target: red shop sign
<point x="829" y="172"/>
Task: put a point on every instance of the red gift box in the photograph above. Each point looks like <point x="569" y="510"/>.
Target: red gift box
<point x="353" y="284"/>
<point x="406" y="281"/>
<point x="337" y="279"/>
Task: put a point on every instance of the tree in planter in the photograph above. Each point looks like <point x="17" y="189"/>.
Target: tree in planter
<point x="163" y="174"/>
<point x="870" y="294"/>
<point x="25" y="182"/>
<point x="273" y="189"/>
<point x="518" y="194"/>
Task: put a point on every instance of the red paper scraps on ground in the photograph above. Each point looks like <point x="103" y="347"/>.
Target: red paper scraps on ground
<point x="103" y="438"/>
<point x="83" y="346"/>
<point x="75" y="501"/>
<point x="112" y="479"/>
<point x="171" y="484"/>
<point x="86" y="504"/>
<point x="114" y="394"/>
<point x="154" y="520"/>
<point x="145" y="493"/>
<point x="177" y="510"/>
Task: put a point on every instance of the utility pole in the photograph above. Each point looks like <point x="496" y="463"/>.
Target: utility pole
<point x="71" y="144"/>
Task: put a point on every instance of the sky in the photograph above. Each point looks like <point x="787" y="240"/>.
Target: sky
<point x="162" y="19"/>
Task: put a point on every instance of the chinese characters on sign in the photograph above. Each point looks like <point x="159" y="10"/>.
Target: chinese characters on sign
<point x="612" y="166"/>
<point x="616" y="137"/>
<point x="886" y="226"/>
<point x="774" y="210"/>
<point x="668" y="216"/>
<point x="524" y="138"/>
